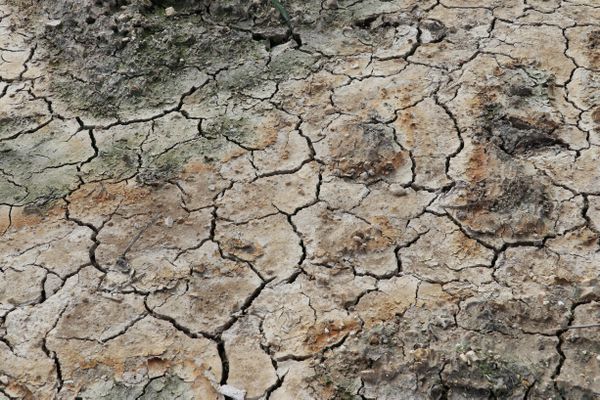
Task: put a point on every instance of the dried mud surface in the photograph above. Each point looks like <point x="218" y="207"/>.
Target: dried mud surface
<point x="391" y="200"/>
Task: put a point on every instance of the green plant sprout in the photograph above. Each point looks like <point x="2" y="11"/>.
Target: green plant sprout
<point x="283" y="12"/>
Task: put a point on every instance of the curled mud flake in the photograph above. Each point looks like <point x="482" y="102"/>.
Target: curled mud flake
<point x="432" y="30"/>
<point x="395" y="39"/>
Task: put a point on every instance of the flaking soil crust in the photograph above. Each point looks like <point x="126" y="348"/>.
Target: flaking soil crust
<point x="338" y="199"/>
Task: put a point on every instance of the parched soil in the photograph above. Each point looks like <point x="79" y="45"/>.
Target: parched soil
<point x="351" y="199"/>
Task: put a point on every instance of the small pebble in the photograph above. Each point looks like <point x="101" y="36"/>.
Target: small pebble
<point x="398" y="190"/>
<point x="471" y="356"/>
<point x="169" y="11"/>
<point x="53" y="23"/>
<point x="332" y="4"/>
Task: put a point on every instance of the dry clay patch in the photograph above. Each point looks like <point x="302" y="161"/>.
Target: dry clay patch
<point x="392" y="200"/>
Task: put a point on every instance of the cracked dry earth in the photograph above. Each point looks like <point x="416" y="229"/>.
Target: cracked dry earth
<point x="392" y="200"/>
